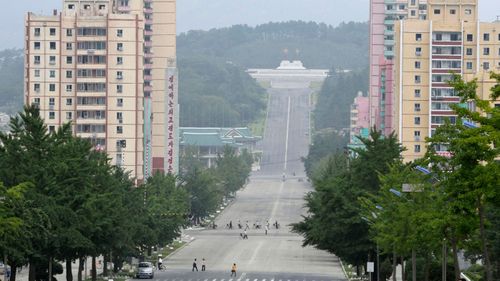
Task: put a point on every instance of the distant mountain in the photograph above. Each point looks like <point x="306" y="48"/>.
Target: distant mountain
<point x="11" y="80"/>
<point x="264" y="46"/>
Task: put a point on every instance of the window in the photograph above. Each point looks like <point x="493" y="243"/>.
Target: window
<point x="69" y="115"/>
<point x="418" y="79"/>
<point x="36" y="87"/>
<point x="52" y="45"/>
<point x="52" y="87"/>
<point x="69" y="88"/>
<point x="52" y="32"/>
<point x="69" y="60"/>
<point x="437" y="11"/>
<point x="37" y="72"/>
<point x="119" y="75"/>
<point x="453" y="11"/>
<point x="52" y="60"/>
<point x="52" y="115"/>
<point x="37" y="31"/>
<point x="52" y="101"/>
<point x="499" y="37"/>
<point x="468" y="51"/>
<point x="417" y="107"/>
<point x="102" y="7"/>
<point x="36" y="100"/>
<point x="413" y="13"/>
<point x="119" y="115"/>
<point x="417" y="93"/>
<point x="119" y="102"/>
<point x="37" y="59"/>
<point x="418" y="51"/>
<point x="69" y="46"/>
<point x="469" y="65"/>
<point x="486" y="51"/>
<point x="417" y="65"/>
<point x="468" y="11"/>
<point x="52" y="129"/>
<point x="119" y="129"/>
<point x="470" y="37"/>
<point x="86" y="7"/>
<point x="69" y="101"/>
<point x="416" y="134"/>
<point x="418" y="36"/>
<point x="486" y="37"/>
<point x="413" y="2"/>
<point x="119" y="88"/>
<point x="69" y="32"/>
<point x="119" y="33"/>
<point x="119" y="60"/>
<point x="36" y="45"/>
<point x="119" y="47"/>
<point x="71" y="6"/>
<point x="438" y="37"/>
<point x="486" y="65"/>
<point x="52" y="73"/>
<point x="69" y="74"/>
<point x="417" y="148"/>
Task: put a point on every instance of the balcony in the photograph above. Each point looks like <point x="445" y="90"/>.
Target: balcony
<point x="148" y="55"/>
<point x="124" y="9"/>
<point x="389" y="42"/>
<point x="388" y="32"/>
<point x="148" y="77"/>
<point x="148" y="10"/>
<point x="148" y="21"/>
<point x="148" y="44"/>
<point x="148" y="88"/>
<point x="148" y="66"/>
<point x="389" y="54"/>
<point x="148" y="32"/>
<point x="389" y="22"/>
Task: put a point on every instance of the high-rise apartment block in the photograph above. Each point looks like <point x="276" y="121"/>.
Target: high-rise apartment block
<point x="426" y="53"/>
<point x="384" y="14"/>
<point x="109" y="67"/>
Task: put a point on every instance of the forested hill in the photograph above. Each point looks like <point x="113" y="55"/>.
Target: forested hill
<point x="316" y="45"/>
<point x="11" y="80"/>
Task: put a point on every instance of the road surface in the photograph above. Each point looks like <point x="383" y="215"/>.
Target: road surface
<point x="278" y="256"/>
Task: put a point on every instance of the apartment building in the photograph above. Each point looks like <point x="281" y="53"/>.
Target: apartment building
<point x="109" y="68"/>
<point x="383" y="16"/>
<point x="451" y="40"/>
<point x="359" y="120"/>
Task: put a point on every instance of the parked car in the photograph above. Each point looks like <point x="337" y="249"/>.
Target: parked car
<point x="145" y="270"/>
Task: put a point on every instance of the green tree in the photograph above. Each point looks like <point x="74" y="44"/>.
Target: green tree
<point x="334" y="222"/>
<point x="470" y="176"/>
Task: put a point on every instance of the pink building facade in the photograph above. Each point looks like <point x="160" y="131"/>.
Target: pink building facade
<point x="383" y="15"/>
<point x="360" y="119"/>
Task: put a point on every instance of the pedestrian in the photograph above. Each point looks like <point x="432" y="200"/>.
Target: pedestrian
<point x="233" y="270"/>
<point x="230" y="224"/>
<point x="194" y="265"/>
<point x="203" y="267"/>
<point x="247" y="226"/>
<point x="239" y="224"/>
<point x="267" y="229"/>
<point x="276" y="224"/>
<point x="245" y="236"/>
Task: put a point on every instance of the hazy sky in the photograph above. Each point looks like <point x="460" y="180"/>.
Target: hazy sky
<point x="206" y="14"/>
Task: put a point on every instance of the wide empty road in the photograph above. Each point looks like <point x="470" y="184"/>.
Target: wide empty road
<point x="278" y="256"/>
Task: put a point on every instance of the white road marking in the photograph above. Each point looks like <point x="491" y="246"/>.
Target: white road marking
<point x="287" y="132"/>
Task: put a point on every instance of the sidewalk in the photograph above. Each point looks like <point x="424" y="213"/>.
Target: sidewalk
<point x="24" y="274"/>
